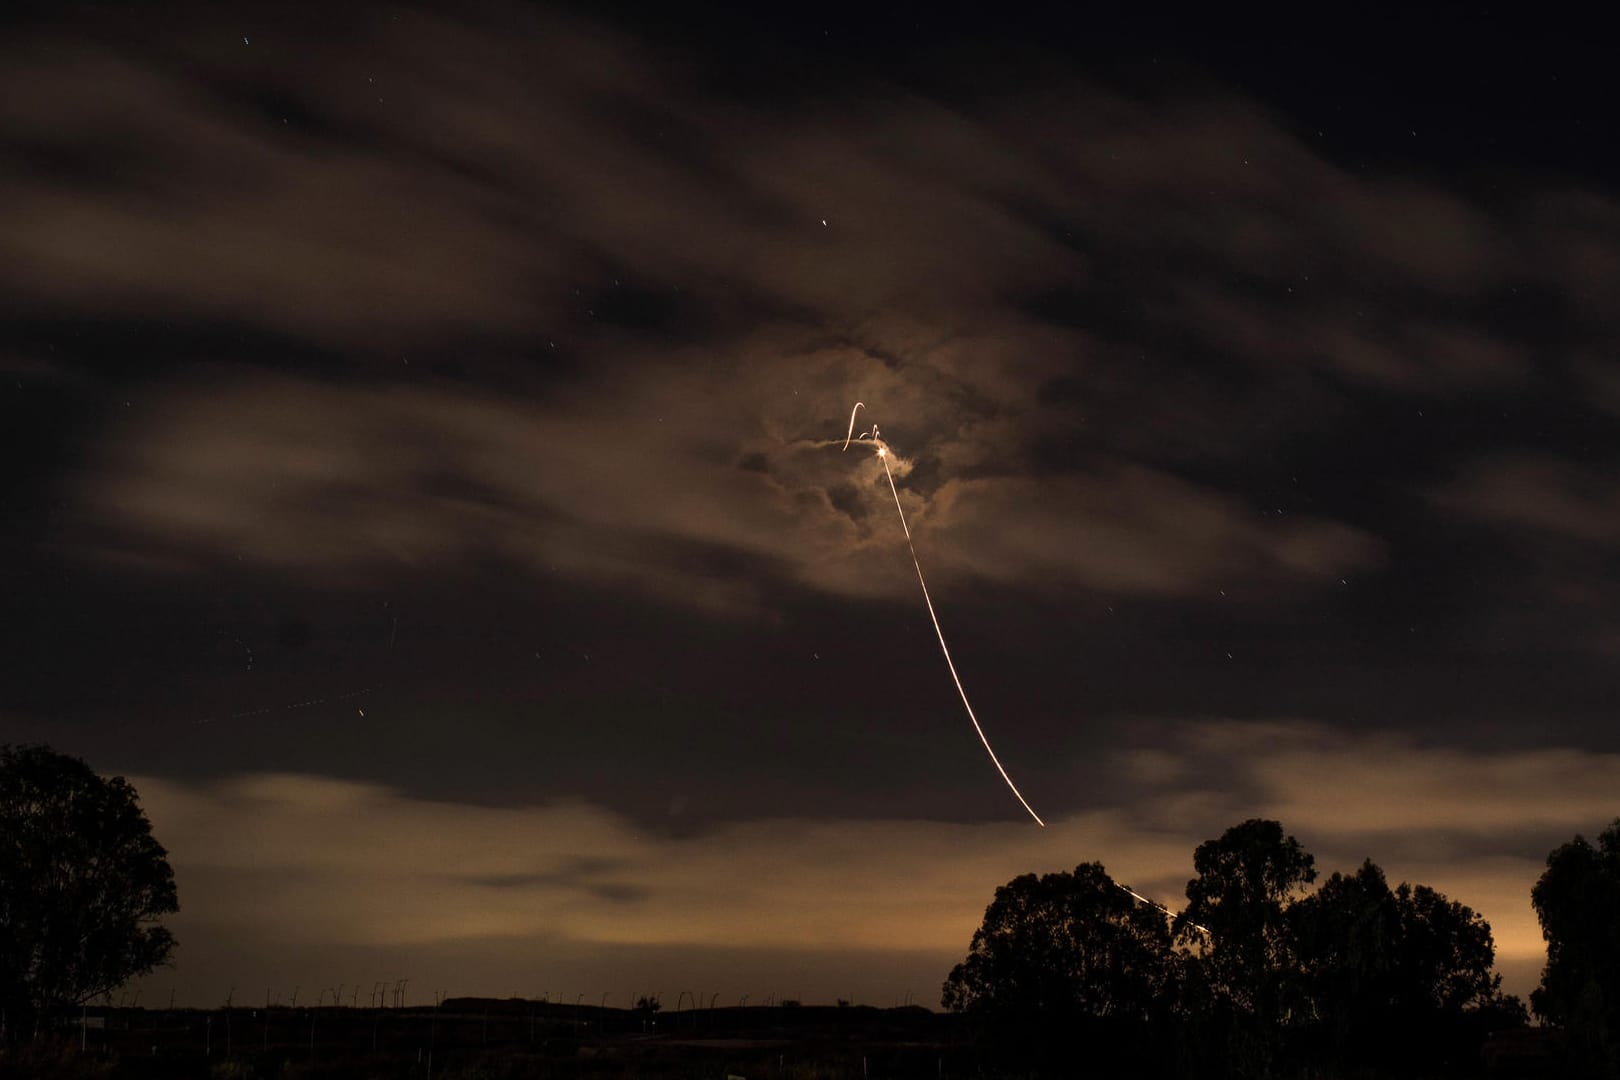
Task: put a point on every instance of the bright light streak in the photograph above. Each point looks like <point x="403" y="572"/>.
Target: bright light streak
<point x="1160" y="907"/>
<point x="883" y="455"/>
<point x="859" y="405"/>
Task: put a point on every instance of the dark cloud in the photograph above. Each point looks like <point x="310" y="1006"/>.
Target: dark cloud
<point x="513" y="288"/>
<point x="1559" y="522"/>
<point x="1538" y="494"/>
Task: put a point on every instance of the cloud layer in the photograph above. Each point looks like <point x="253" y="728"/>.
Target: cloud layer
<point x="1079" y="316"/>
<point x="284" y="865"/>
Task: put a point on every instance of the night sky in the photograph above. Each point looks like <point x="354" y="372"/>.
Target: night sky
<point x="422" y="432"/>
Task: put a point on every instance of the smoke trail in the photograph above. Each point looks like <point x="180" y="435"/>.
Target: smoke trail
<point x="883" y="455"/>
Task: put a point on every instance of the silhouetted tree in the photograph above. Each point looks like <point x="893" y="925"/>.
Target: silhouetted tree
<point x="82" y="882"/>
<point x="1444" y="955"/>
<point x="1397" y="978"/>
<point x="1236" y="917"/>
<point x="1577" y="901"/>
<point x="1066" y="955"/>
<point x="1346" y="939"/>
<point x="1071" y="975"/>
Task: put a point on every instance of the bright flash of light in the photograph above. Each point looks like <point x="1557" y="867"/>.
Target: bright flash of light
<point x="883" y="455"/>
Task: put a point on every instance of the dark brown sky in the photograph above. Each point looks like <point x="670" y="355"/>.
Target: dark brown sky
<point x="425" y="478"/>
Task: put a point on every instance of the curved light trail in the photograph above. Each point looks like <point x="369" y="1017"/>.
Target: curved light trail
<point x="883" y="455"/>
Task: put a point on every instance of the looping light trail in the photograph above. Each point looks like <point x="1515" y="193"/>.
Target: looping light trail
<point x="883" y="455"/>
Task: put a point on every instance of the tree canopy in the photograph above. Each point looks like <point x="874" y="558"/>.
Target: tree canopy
<point x="1236" y="918"/>
<point x="1391" y="975"/>
<point x="1235" y="907"/>
<point x="82" y="882"/>
<point x="1346" y="938"/>
<point x="1260" y="977"/>
<point x="1069" y="954"/>
<point x="1076" y="944"/>
<point x="1577" y="901"/>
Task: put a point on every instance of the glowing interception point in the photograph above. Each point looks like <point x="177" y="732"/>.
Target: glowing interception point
<point x="883" y="451"/>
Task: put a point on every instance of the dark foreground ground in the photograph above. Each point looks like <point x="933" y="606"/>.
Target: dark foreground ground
<point x="474" y="1039"/>
<point x="477" y="1039"/>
